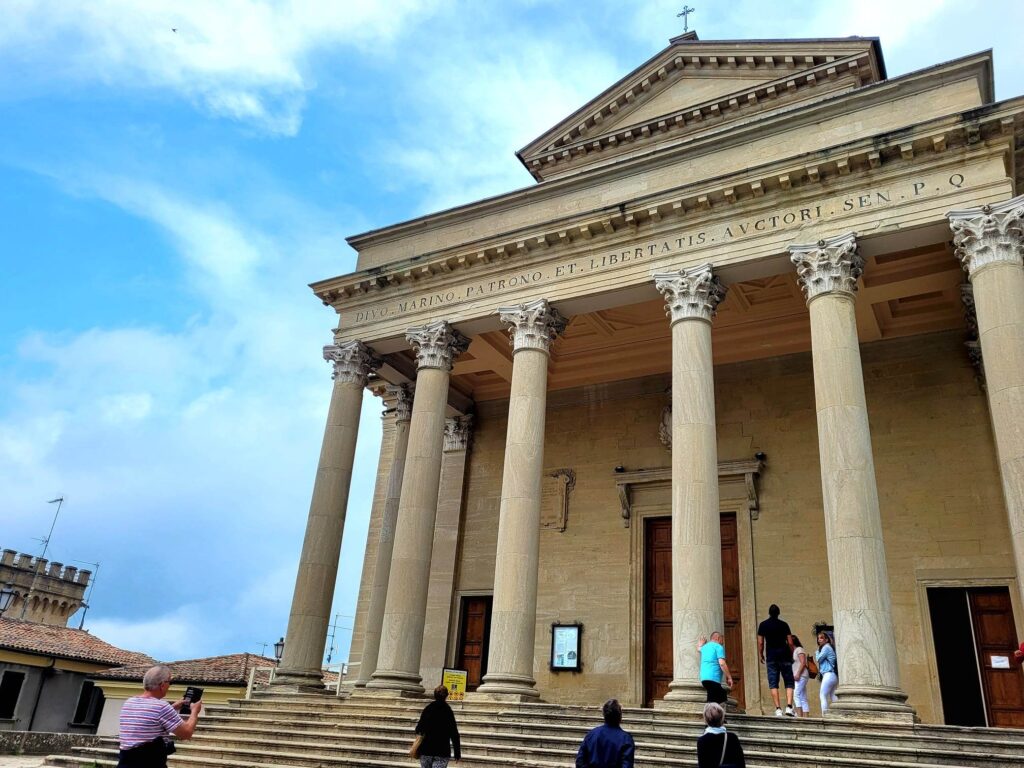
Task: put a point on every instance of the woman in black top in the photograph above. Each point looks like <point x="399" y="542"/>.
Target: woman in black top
<point x="440" y="733"/>
<point x="717" y="747"/>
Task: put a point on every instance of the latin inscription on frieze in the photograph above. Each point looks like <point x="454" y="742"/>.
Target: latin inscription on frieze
<point x="724" y="233"/>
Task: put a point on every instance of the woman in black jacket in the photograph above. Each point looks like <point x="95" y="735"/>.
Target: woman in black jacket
<point x="717" y="747"/>
<point x="439" y="731"/>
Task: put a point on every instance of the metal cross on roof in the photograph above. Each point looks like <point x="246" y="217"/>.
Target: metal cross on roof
<point x="687" y="10"/>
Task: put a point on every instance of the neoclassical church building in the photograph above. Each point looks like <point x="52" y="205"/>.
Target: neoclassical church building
<point x="755" y="336"/>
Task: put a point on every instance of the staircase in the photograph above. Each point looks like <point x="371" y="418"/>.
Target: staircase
<point x="309" y="730"/>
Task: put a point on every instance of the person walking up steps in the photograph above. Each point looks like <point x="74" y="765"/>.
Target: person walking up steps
<point x="440" y="732"/>
<point x="713" y="667"/>
<point x="801" y="675"/>
<point x="828" y="669"/>
<point x="773" y="650"/>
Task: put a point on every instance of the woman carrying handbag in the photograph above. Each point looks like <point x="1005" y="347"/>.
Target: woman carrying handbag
<point x="437" y="733"/>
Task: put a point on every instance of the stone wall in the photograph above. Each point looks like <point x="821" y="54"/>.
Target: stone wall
<point x="39" y="743"/>
<point x="939" y="491"/>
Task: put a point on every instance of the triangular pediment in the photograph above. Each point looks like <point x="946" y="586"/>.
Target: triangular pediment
<point x="694" y="85"/>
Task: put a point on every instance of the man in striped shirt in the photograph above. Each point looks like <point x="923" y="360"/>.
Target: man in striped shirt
<point x="147" y="721"/>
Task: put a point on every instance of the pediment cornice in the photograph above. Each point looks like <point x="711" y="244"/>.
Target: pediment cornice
<point x="782" y="66"/>
<point x="922" y="143"/>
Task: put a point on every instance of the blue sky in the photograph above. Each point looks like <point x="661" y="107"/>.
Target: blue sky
<point x="166" y="197"/>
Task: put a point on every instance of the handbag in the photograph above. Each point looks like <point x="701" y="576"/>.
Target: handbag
<point x="812" y="665"/>
<point x="414" y="750"/>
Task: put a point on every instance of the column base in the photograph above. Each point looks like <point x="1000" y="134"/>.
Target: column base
<point x="399" y="683"/>
<point x="385" y="693"/>
<point x="306" y="680"/>
<point x="872" y="703"/>
<point x="683" y="697"/>
<point x="512" y="688"/>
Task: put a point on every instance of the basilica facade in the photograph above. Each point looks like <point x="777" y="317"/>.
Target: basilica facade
<point x="755" y="336"/>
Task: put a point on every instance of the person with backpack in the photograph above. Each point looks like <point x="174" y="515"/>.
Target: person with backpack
<point x="717" y="748"/>
<point x="828" y="670"/>
<point x="802" y="665"/>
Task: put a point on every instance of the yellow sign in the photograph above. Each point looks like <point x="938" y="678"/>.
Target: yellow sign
<point x="455" y="681"/>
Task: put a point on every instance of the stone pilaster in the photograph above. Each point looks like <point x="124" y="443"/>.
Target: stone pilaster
<point x="398" y="663"/>
<point x="398" y="399"/>
<point x="533" y="327"/>
<point x="869" y="684"/>
<point x="691" y="298"/>
<point x="989" y="242"/>
<point x="457" y="435"/>
<point x="321" y="548"/>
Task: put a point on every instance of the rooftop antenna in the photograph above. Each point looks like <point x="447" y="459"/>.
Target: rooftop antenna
<point x="334" y="628"/>
<point x="684" y="14"/>
<point x="92" y="585"/>
<point x="59" y="501"/>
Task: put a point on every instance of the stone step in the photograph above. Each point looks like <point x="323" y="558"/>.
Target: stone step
<point x="812" y="731"/>
<point x="484" y="742"/>
<point x="194" y="755"/>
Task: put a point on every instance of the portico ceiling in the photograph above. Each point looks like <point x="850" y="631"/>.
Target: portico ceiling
<point x="905" y="293"/>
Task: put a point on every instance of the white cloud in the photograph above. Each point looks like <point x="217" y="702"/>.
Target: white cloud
<point x="247" y="60"/>
<point x="169" y="637"/>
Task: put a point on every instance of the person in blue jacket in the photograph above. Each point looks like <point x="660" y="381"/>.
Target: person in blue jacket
<point x="607" y="746"/>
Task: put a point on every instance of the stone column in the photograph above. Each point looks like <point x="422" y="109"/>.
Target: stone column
<point x="321" y="548"/>
<point x="514" y="615"/>
<point x="691" y="297"/>
<point x="401" y="644"/>
<point x="457" y="433"/>
<point x="869" y="680"/>
<point x="400" y="397"/>
<point x="989" y="242"/>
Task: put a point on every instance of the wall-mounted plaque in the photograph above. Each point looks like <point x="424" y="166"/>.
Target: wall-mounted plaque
<point x="565" y="647"/>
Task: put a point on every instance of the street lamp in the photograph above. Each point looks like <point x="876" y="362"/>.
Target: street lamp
<point x="279" y="649"/>
<point x="6" y="598"/>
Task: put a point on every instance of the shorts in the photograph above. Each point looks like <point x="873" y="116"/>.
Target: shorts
<point x="716" y="693"/>
<point x="783" y="667"/>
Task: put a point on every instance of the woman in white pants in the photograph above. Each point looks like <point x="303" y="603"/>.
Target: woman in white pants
<point x="828" y="669"/>
<point x="800" y="677"/>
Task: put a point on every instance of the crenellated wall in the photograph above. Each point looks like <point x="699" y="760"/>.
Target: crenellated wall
<point x="45" y="592"/>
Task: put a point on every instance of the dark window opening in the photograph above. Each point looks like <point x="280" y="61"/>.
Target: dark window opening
<point x="90" y="705"/>
<point x="10" y="690"/>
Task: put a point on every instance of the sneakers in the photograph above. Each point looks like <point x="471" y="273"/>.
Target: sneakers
<point x="789" y="712"/>
<point x="778" y="712"/>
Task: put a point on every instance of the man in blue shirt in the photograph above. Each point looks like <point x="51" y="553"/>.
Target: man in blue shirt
<point x="713" y="667"/>
<point x="607" y="746"/>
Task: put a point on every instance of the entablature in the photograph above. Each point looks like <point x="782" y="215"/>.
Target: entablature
<point x="934" y="147"/>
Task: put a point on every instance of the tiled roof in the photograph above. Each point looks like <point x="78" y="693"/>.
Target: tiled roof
<point x="64" y="643"/>
<point x="232" y="669"/>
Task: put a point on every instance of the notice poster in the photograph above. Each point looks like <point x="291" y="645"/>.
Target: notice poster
<point x="565" y="647"/>
<point x="455" y="681"/>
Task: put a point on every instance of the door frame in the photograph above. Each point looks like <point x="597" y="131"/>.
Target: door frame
<point x="748" y="601"/>
<point x="455" y="630"/>
<point x="975" y="577"/>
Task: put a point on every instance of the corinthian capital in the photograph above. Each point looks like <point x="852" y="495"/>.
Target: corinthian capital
<point x="436" y="344"/>
<point x="398" y="398"/>
<point x="353" y="362"/>
<point x="989" y="235"/>
<point x="690" y="294"/>
<point x="533" y="325"/>
<point x="457" y="432"/>
<point x="828" y="266"/>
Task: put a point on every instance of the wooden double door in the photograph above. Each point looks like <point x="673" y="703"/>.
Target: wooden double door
<point x="980" y="681"/>
<point x="658" y="607"/>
